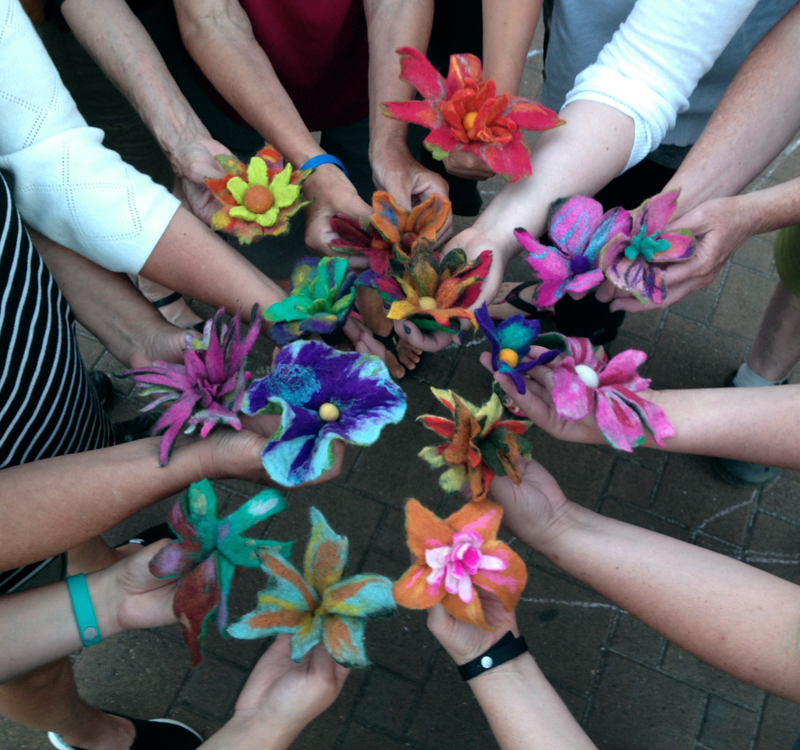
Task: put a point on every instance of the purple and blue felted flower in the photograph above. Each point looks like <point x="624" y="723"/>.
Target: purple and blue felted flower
<point x="631" y="260"/>
<point x="206" y="554"/>
<point x="511" y="341"/>
<point x="579" y="229"/>
<point x="208" y="388"/>
<point x="320" y="300"/>
<point x="318" y="605"/>
<point x="322" y="395"/>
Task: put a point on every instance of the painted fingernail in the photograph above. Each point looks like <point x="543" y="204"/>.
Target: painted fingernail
<point x="463" y="335"/>
<point x="519" y="229"/>
<point x="386" y="305"/>
<point x="407" y="329"/>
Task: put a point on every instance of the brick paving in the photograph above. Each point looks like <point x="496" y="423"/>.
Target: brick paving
<point x="627" y="685"/>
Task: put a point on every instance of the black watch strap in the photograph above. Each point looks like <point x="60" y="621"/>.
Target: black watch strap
<point x="506" y="649"/>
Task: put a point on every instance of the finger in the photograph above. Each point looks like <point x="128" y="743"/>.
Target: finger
<point x="605" y="292"/>
<point x="437" y="619"/>
<point x="427" y="342"/>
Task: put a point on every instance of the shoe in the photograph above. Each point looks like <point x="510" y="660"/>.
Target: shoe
<point x="102" y="384"/>
<point x="530" y="311"/>
<point x="588" y="318"/>
<point x="153" y="534"/>
<point x="133" y="429"/>
<point x="155" y="734"/>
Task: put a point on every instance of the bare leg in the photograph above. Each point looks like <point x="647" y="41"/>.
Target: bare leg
<point x="178" y="313"/>
<point x="776" y="349"/>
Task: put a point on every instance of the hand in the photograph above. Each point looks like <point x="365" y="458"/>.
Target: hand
<point x="362" y="339"/>
<point x="465" y="642"/>
<point x="720" y="228"/>
<point x="162" y="342"/>
<point x="332" y="193"/>
<point x="192" y="163"/>
<point x="468" y="165"/>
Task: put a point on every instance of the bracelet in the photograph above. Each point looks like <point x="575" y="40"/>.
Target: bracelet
<point x="316" y="161"/>
<point x="83" y="609"/>
<point x="506" y="649"/>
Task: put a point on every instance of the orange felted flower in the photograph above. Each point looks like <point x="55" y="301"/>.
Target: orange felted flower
<point x="455" y="555"/>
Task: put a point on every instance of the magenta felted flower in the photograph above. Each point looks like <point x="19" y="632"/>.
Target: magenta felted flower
<point x="208" y="388"/>
<point x="631" y="261"/>
<point x="584" y="384"/>
<point x="580" y="229"/>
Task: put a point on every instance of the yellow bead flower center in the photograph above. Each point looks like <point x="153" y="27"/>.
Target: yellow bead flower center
<point x="328" y="412"/>
<point x="509" y="356"/>
<point x="427" y="303"/>
<point x="258" y="199"/>
<point x="469" y="120"/>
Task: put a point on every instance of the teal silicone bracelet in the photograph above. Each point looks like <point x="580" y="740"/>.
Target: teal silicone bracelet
<point x="83" y="609"/>
<point x="316" y="161"/>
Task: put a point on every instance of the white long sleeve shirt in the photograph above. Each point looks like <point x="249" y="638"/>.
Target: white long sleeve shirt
<point x="65" y="183"/>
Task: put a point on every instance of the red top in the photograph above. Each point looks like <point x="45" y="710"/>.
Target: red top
<point x="319" y="51"/>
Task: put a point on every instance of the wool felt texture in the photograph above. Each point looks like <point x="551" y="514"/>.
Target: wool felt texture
<point x="318" y="605"/>
<point x="464" y="113"/>
<point x="511" y="342"/>
<point x="455" y="555"/>
<point x="480" y="445"/>
<point x="208" y="388"/>
<point x="266" y="170"/>
<point x="207" y="553"/>
<point x="585" y="383"/>
<point x="580" y="230"/>
<point x="434" y="293"/>
<point x="320" y="299"/>
<point x="631" y="260"/>
<point x="307" y="376"/>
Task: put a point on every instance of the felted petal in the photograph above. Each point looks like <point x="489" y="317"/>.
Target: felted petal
<point x="619" y="423"/>
<point x="306" y="637"/>
<point x="344" y="639"/>
<point x="365" y="595"/>
<point x="240" y="212"/>
<point x="585" y="282"/>
<point x="195" y="600"/>
<point x="269" y="621"/>
<point x="257" y="172"/>
<point x="389" y="218"/>
<point x="511" y="161"/>
<point x="418" y="71"/>
<point x="441" y="142"/>
<point x="572" y="398"/>
<point x="286" y="586"/>
<point x="469" y="612"/>
<point x="644" y="280"/>
<point x="506" y="584"/>
<point x="681" y="246"/>
<point x="574" y="222"/>
<point x="615" y="222"/>
<point x="418" y="111"/>
<point x="428" y="218"/>
<point x="480" y="518"/>
<point x="440" y="425"/>
<point x="530" y="115"/>
<point x="237" y="188"/>
<point x="326" y="554"/>
<point x="268" y="218"/>
<point x="432" y="454"/>
<point x="177" y="559"/>
<point x="413" y="590"/>
<point x="425" y="529"/>
<point x="656" y="212"/>
<point x="621" y="370"/>
<point x="651" y="414"/>
<point x="454" y="479"/>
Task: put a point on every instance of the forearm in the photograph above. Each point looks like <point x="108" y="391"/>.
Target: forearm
<point x="739" y="619"/>
<point x="524" y="710"/>
<point x="250" y="733"/>
<point x="769" y="209"/>
<point x="508" y="28"/>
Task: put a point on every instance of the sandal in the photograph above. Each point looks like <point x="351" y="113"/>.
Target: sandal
<point x="174" y="297"/>
<point x="513" y="298"/>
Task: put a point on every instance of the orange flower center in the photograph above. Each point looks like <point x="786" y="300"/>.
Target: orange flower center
<point x="509" y="356"/>
<point x="469" y="120"/>
<point x="258" y="199"/>
<point x="427" y="303"/>
<point x="328" y="412"/>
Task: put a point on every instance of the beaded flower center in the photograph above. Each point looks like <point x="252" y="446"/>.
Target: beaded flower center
<point x="509" y="356"/>
<point x="258" y="199"/>
<point x="328" y="412"/>
<point x="587" y="375"/>
<point x="427" y="303"/>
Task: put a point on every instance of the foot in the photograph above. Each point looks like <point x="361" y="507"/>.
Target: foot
<point x="105" y="732"/>
<point x="180" y="314"/>
<point x="500" y="309"/>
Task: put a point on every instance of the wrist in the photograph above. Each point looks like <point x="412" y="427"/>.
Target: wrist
<point x="515" y="670"/>
<point x="251" y="731"/>
<point x="550" y="540"/>
<point x="107" y="597"/>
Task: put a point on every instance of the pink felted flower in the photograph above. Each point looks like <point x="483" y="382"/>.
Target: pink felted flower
<point x="463" y="112"/>
<point x="631" y="261"/>
<point x="579" y="229"/>
<point x="584" y="384"/>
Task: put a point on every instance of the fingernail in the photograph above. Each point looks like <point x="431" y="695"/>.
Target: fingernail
<point x="463" y="335"/>
<point x="519" y="229"/>
<point x="386" y="305"/>
<point x="407" y="329"/>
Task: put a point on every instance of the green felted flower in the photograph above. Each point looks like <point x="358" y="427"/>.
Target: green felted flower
<point x="282" y="193"/>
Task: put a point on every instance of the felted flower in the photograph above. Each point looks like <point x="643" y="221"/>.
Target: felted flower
<point x="584" y="384"/>
<point x="391" y="231"/>
<point x="455" y="555"/>
<point x="631" y="261"/>
<point x="463" y="113"/>
<point x="319" y="301"/>
<point x="479" y="445"/>
<point x="511" y="341"/>
<point x="318" y="605"/>
<point x="579" y="229"/>
<point x="322" y="395"/>
<point x="259" y="199"/>
<point x="208" y="388"/>
<point x="432" y="292"/>
<point x="207" y="553"/>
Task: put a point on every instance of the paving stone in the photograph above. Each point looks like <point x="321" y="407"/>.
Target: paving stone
<point x="780" y="725"/>
<point x="778" y="540"/>
<point x="636" y="707"/>
<point x="755" y="254"/>
<point x="16" y="736"/>
<point x="682" y="664"/>
<point x="386" y="701"/>
<point x="698" y="306"/>
<point x="786" y="166"/>
<point x="435" y="368"/>
<point x="91" y="350"/>
<point x="742" y="302"/>
<point x="391" y="537"/>
<point x="782" y="498"/>
<point x="640" y="517"/>
<point x="472" y="381"/>
<point x="113" y="367"/>
<point x="690" y="356"/>
<point x="726" y="726"/>
<point x="363" y="738"/>
<point x="212" y="688"/>
<point x="645" y="325"/>
<point x="625" y="340"/>
<point x="632" y="483"/>
<point x="635" y="640"/>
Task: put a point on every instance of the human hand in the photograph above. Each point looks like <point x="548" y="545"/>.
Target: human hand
<point x="332" y="193"/>
<point x="159" y="342"/>
<point x="468" y="165"/>
<point x="720" y="227"/>
<point x="362" y="340"/>
<point x="465" y="642"/>
<point x="192" y="162"/>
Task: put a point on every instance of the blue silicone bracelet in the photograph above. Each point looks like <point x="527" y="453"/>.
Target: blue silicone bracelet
<point x="316" y="161"/>
<point x="83" y="609"/>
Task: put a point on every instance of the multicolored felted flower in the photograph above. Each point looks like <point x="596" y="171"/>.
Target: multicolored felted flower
<point x="259" y="199"/>
<point x="318" y="605"/>
<point x="323" y="395"/>
<point x="631" y="260"/>
<point x="208" y="388"/>
<point x="479" y="445"/>
<point x="391" y="231"/>
<point x="579" y="229"/>
<point x="207" y="553"/>
<point x="455" y="555"/>
<point x="429" y="291"/>
<point x="585" y="384"/>
<point x="511" y="341"/>
<point x="320" y="300"/>
<point x="464" y="113"/>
